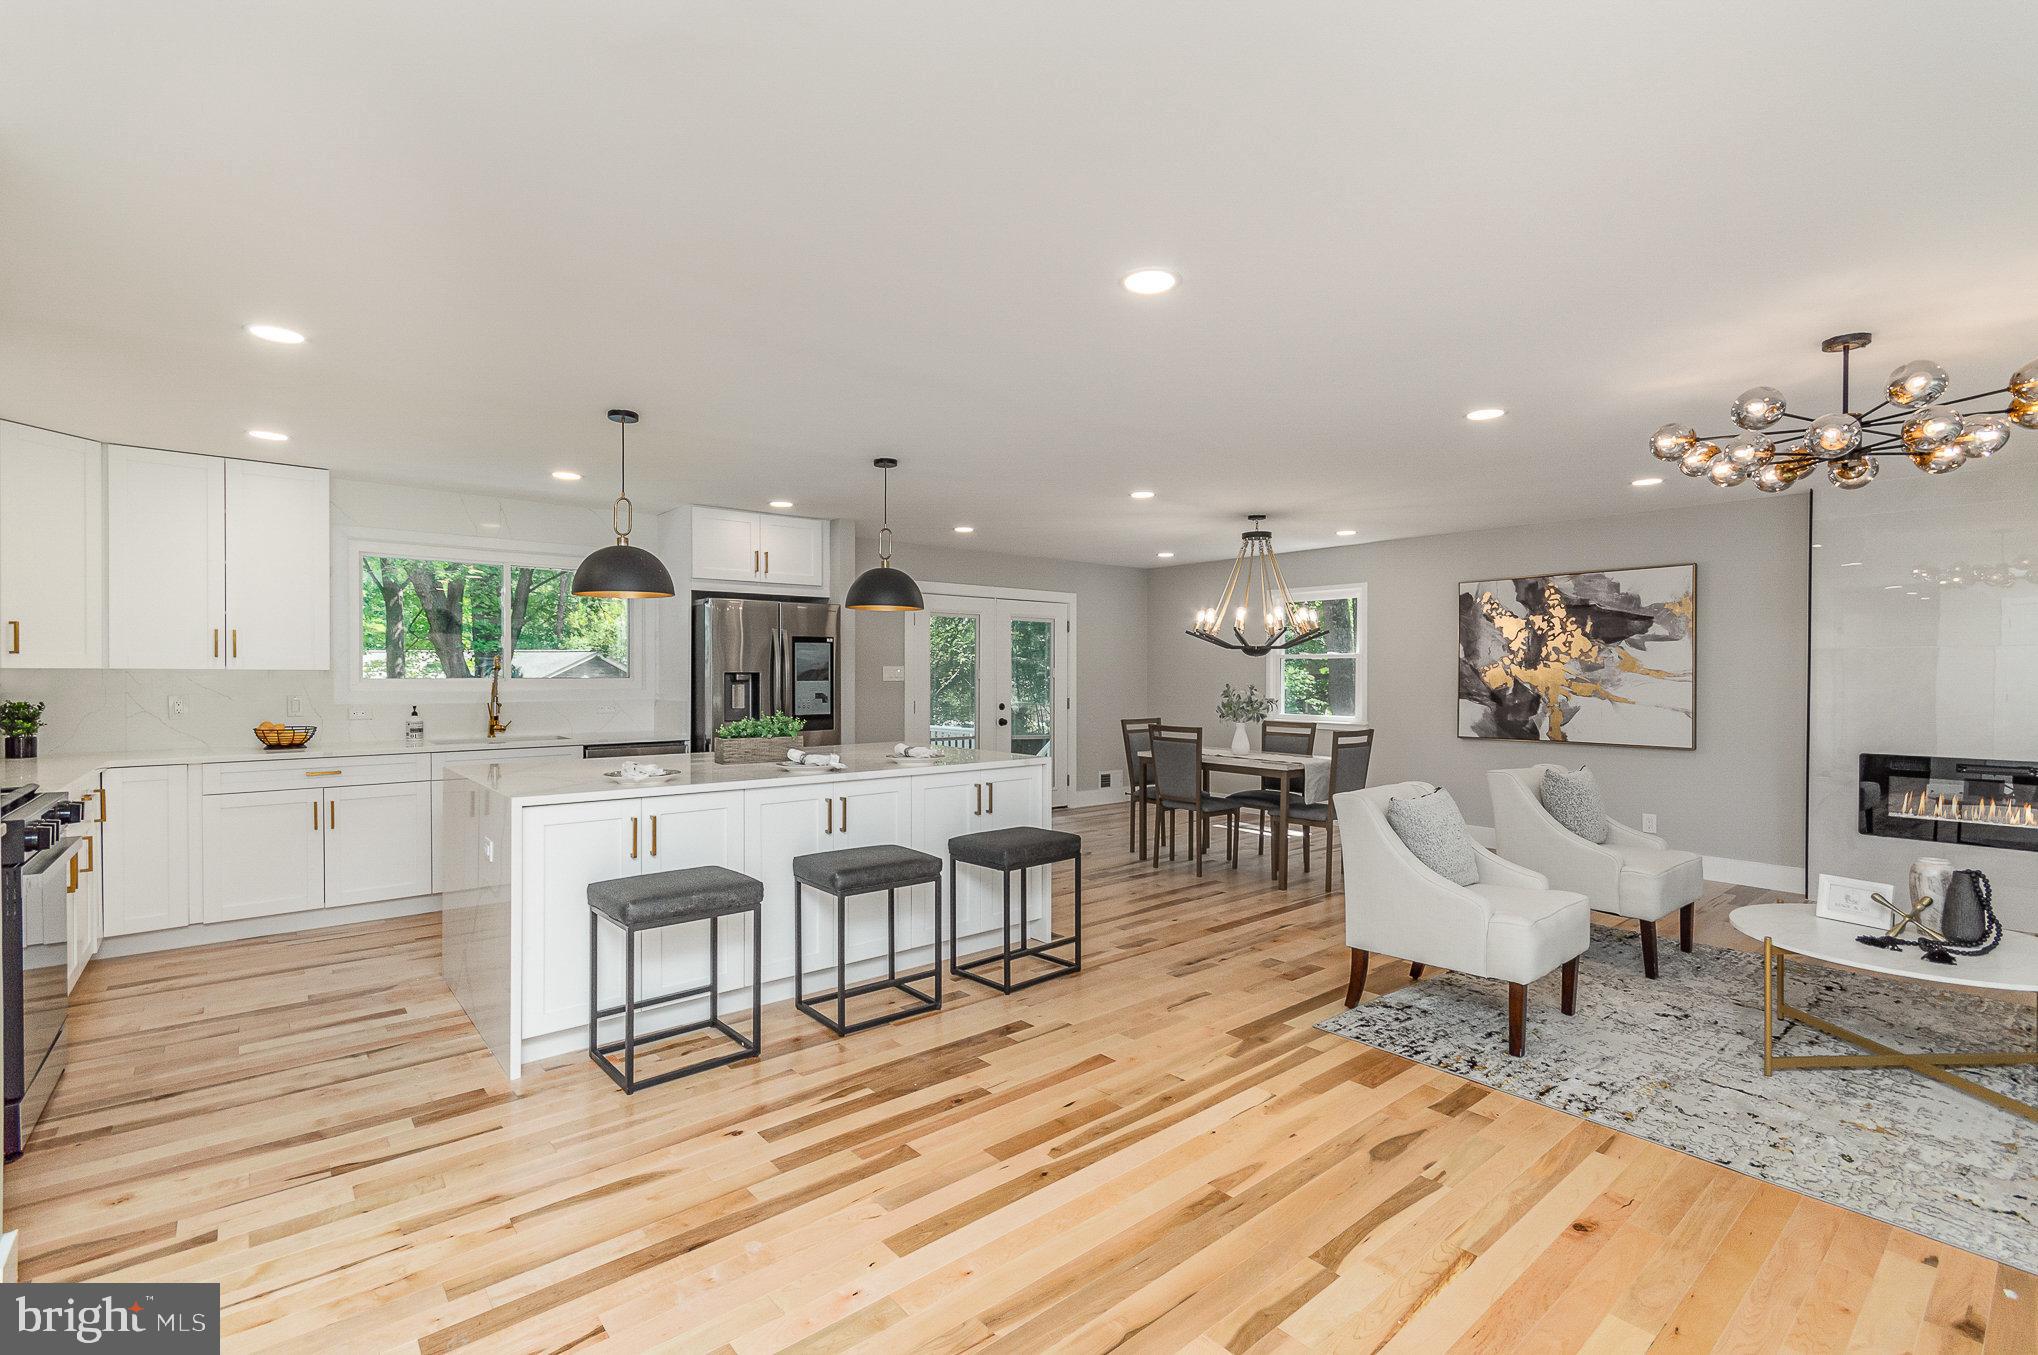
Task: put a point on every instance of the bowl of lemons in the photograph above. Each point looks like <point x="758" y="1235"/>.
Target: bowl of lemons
<point x="275" y="736"/>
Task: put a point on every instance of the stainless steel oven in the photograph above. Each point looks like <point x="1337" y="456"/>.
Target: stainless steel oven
<point x="38" y="867"/>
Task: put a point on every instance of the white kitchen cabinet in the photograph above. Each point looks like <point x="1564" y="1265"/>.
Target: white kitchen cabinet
<point x="822" y="815"/>
<point x="703" y="829"/>
<point x="793" y="551"/>
<point x="767" y="549"/>
<point x="145" y="848"/>
<point x="278" y="566"/>
<point x="264" y="853"/>
<point x="945" y="807"/>
<point x="52" y="550"/>
<point x="565" y="849"/>
<point x="165" y="559"/>
<point x="378" y="843"/>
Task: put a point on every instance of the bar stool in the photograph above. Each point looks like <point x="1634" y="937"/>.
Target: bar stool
<point x="1006" y="850"/>
<point x="864" y="870"/>
<point x="643" y="903"/>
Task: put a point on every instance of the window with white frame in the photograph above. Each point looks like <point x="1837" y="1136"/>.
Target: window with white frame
<point x="429" y="615"/>
<point x="1324" y="677"/>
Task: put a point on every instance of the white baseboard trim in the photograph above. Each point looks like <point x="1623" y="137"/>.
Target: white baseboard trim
<point x="210" y="933"/>
<point x="1756" y="874"/>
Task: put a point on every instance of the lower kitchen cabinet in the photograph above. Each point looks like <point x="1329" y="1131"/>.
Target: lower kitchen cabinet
<point x="145" y="848"/>
<point x="264" y="853"/>
<point x="819" y="815"/>
<point x="1001" y="796"/>
<point x="378" y="842"/>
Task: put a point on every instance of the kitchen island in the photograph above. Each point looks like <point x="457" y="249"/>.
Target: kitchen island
<point x="519" y="842"/>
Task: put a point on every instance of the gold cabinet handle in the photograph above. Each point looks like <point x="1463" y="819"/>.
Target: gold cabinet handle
<point x="72" y="887"/>
<point x="14" y="634"/>
<point x="91" y="856"/>
<point x="633" y="839"/>
<point x="980" y="797"/>
<point x="215" y="642"/>
<point x="314" y="816"/>
<point x="332" y="813"/>
<point x="654" y="835"/>
<point x="845" y="813"/>
<point x="103" y="798"/>
<point x="753" y="562"/>
<point x="330" y="771"/>
<point x="991" y="797"/>
<point x="767" y="562"/>
<point x="830" y="803"/>
<point x="234" y="647"/>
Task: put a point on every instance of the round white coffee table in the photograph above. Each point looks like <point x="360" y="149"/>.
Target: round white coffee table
<point x="1796" y="929"/>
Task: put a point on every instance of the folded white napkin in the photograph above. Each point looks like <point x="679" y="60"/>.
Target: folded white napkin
<point x="795" y="755"/>
<point x="920" y="750"/>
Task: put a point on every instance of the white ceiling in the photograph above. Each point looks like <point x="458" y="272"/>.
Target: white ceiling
<point x="797" y="236"/>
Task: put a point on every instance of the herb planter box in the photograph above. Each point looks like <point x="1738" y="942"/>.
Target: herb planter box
<point x="729" y="751"/>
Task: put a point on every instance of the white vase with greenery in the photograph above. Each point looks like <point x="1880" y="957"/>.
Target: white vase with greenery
<point x="1242" y="708"/>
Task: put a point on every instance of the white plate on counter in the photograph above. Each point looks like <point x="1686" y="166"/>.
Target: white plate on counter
<point x="803" y="767"/>
<point x="621" y="779"/>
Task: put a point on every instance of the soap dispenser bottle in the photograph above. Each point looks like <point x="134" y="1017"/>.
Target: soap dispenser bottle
<point x="414" y="729"/>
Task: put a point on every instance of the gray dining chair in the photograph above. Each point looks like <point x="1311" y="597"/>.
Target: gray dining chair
<point x="1351" y="757"/>
<point x="1179" y="782"/>
<point x="1294" y="737"/>
<point x="1138" y="735"/>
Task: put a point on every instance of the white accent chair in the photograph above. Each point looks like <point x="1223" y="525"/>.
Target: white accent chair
<point x="1510" y="926"/>
<point x="1632" y="874"/>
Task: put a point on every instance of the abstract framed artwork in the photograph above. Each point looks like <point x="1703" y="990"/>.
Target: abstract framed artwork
<point x="1606" y="657"/>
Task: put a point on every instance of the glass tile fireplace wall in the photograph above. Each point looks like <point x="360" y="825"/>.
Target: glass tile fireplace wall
<point x="1925" y="676"/>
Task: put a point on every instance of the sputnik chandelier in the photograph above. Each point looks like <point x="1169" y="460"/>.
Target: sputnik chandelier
<point x="1256" y="589"/>
<point x="1922" y="424"/>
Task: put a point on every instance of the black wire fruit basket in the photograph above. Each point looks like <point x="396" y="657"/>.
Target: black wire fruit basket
<point x="274" y="737"/>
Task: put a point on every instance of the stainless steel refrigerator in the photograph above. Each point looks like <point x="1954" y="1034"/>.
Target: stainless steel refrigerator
<point x="754" y="656"/>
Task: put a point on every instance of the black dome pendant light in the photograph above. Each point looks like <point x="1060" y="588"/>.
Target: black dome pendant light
<point x="884" y="589"/>
<point x="622" y="570"/>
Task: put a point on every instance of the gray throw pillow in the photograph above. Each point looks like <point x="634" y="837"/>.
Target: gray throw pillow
<point x="1573" y="800"/>
<point x="1431" y="827"/>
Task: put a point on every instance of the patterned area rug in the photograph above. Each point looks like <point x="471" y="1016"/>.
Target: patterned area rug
<point x="1679" y="1061"/>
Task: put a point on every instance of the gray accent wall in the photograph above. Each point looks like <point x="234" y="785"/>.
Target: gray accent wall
<point x="1739" y="796"/>
<point x="1111" y="645"/>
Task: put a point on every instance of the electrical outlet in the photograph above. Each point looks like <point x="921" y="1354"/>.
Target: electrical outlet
<point x="1103" y="780"/>
<point x="1648" y="823"/>
<point x="298" y="708"/>
<point x="177" y="708"/>
<point x="359" y="713"/>
<point x="608" y="708"/>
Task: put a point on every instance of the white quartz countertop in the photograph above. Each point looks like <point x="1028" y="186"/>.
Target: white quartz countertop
<point x="58" y="771"/>
<point x="539" y="781"/>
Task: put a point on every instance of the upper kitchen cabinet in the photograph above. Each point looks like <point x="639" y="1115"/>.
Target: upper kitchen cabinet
<point x="213" y="563"/>
<point x="165" y="559"/>
<point x="278" y="566"/>
<point x="52" y="550"/>
<point x="765" y="549"/>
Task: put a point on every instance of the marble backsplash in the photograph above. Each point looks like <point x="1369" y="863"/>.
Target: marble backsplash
<point x="94" y="710"/>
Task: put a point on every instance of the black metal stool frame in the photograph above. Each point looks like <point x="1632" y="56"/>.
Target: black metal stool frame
<point x="1041" y="950"/>
<point x="746" y="1047"/>
<point x="844" y="990"/>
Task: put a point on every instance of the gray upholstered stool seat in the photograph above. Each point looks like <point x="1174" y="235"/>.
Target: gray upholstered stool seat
<point x="883" y="869"/>
<point x="1015" y="848"/>
<point x="864" y="870"/>
<point x="667" y="896"/>
<point x="1012" y="851"/>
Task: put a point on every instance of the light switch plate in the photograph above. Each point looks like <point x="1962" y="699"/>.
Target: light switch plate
<point x="1648" y="823"/>
<point x="895" y="672"/>
<point x="298" y="707"/>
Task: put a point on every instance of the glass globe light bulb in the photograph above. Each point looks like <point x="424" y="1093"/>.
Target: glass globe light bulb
<point x="1725" y="472"/>
<point x="1672" y="440"/>
<point x="1939" y="460"/>
<point x="1758" y="407"/>
<point x="1853" y="472"/>
<point x="1696" y="459"/>
<point x="1931" y="428"/>
<point x="2024" y="382"/>
<point x="1983" y="435"/>
<point x="1916" y="383"/>
<point x="1773" y="479"/>
<point x="2024" y="413"/>
<point x="1833" y="435"/>
<point x="1751" y="450"/>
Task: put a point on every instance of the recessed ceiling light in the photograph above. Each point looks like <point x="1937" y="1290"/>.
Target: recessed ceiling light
<point x="1142" y="494"/>
<point x="1486" y="415"/>
<point x="565" y="475"/>
<point x="1347" y="531"/>
<point x="275" y="333"/>
<point x="781" y="503"/>
<point x="1817" y="545"/>
<point x="965" y="531"/>
<point x="267" y="435"/>
<point x="1149" y="281"/>
<point x="1165" y="555"/>
<point x="1646" y="481"/>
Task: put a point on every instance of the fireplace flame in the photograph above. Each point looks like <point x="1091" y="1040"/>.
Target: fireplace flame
<point x="2005" y="813"/>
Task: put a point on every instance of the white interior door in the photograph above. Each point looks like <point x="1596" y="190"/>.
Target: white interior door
<point x="994" y="673"/>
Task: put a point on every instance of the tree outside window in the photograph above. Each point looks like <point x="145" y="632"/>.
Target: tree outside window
<point x="454" y="618"/>
<point x="1324" y="676"/>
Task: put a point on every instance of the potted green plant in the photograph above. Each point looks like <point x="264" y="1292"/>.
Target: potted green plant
<point x="764" y="738"/>
<point x="19" y="720"/>
<point x="1243" y="708"/>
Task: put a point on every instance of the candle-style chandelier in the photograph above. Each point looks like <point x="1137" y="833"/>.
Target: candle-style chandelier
<point x="1922" y="424"/>
<point x="1256" y="591"/>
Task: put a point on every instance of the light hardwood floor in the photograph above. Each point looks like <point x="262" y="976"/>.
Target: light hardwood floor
<point x="1158" y="1154"/>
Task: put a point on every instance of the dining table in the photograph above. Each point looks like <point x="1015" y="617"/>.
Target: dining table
<point x="1291" y="773"/>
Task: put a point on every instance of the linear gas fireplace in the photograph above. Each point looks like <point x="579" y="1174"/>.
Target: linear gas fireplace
<point x="1974" y="802"/>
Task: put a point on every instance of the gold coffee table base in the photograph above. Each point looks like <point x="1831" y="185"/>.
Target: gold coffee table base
<point x="1880" y="1055"/>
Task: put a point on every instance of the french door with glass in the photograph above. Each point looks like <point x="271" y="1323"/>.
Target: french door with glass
<point x="992" y="672"/>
